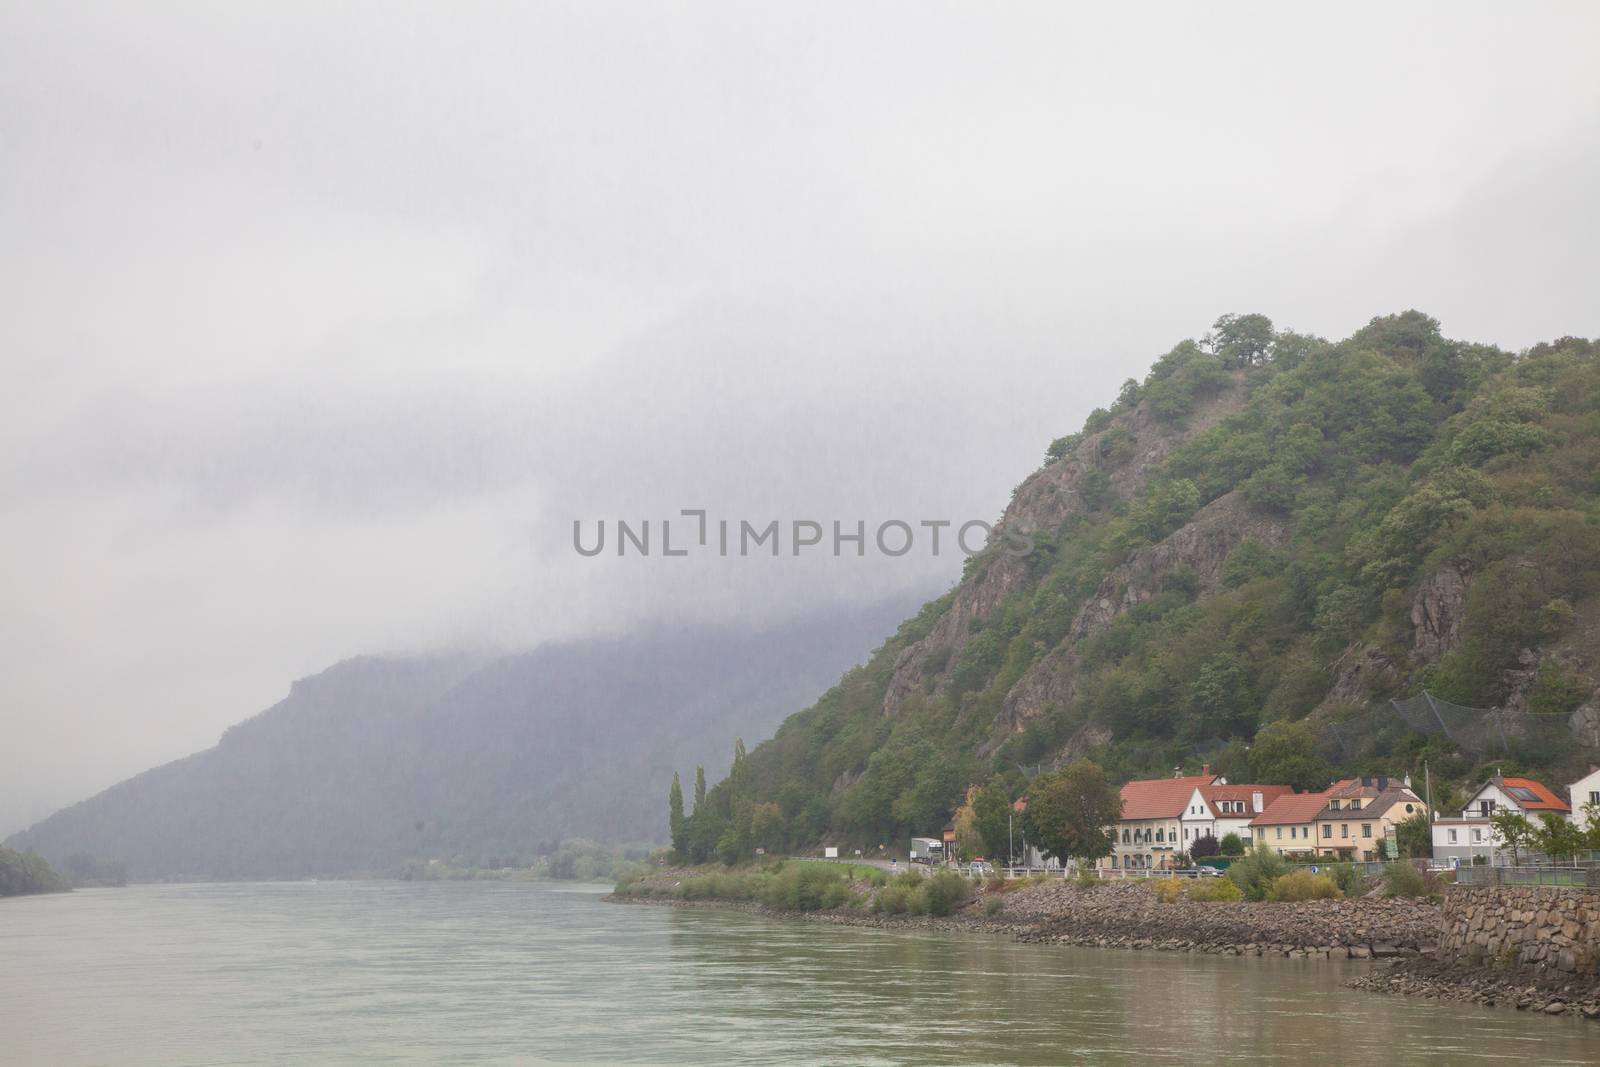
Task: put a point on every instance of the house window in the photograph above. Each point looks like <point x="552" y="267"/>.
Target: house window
<point x="1477" y="835"/>
<point x="1280" y="833"/>
<point x="1594" y="796"/>
<point x="1327" y="829"/>
<point x="1485" y="807"/>
<point x="1408" y="809"/>
<point x="1344" y="829"/>
<point x="1333" y="805"/>
<point x="1125" y="837"/>
<point x="1366" y="829"/>
<point x="1452" y="837"/>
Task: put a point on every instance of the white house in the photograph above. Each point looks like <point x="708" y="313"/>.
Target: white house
<point x="1218" y="809"/>
<point x="1462" y="840"/>
<point x="1582" y="793"/>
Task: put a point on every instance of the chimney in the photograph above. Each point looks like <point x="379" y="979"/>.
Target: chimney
<point x="1257" y="803"/>
<point x="1205" y="770"/>
<point x="1383" y="782"/>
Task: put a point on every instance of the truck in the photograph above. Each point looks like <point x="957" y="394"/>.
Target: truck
<point x="929" y="850"/>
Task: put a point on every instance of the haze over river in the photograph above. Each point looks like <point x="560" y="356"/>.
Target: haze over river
<point x="486" y="972"/>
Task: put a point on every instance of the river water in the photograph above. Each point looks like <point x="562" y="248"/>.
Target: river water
<point x="485" y="972"/>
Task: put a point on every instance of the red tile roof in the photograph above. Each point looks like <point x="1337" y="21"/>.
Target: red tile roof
<point x="1544" y="799"/>
<point x="1246" y="793"/>
<point x="1291" y="808"/>
<point x="1161" y="798"/>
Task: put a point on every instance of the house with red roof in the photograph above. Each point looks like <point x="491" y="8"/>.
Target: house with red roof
<point x="1472" y="838"/>
<point x="1163" y="817"/>
<point x="1288" y="826"/>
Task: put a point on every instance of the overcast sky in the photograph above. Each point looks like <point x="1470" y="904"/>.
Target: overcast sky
<point x="322" y="322"/>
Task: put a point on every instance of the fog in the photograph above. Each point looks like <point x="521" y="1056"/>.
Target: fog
<point x="322" y="323"/>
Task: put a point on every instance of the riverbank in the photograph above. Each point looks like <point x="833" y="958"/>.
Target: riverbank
<point x="1521" y="989"/>
<point x="1121" y="914"/>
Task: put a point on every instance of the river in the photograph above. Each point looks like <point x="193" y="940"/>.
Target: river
<point x="528" y="973"/>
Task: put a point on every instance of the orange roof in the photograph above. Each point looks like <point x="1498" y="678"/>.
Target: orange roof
<point x="1291" y="808"/>
<point x="1542" y="799"/>
<point x="1161" y="798"/>
<point x="1246" y="793"/>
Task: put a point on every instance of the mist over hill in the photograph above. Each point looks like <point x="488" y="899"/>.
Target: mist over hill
<point x="381" y="760"/>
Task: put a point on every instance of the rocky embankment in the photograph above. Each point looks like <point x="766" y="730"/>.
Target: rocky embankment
<point x="1128" y="915"/>
<point x="1518" y="988"/>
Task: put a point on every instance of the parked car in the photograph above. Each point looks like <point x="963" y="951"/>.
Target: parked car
<point x="981" y="869"/>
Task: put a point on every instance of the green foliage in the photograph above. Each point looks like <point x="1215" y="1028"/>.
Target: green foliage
<point x="1286" y="753"/>
<point x="1558" y="838"/>
<point x="894" y="899"/>
<point x="1214" y="891"/>
<point x="943" y="893"/>
<point x="1414" y="836"/>
<point x="1403" y="880"/>
<point x="27" y="872"/>
<point x="1512" y="830"/>
<point x="1232" y="845"/>
<point x="1255" y="873"/>
<point x="1302" y="885"/>
<point x="1069" y="810"/>
<point x="806" y="887"/>
<point x="1208" y="845"/>
<point x="994" y="906"/>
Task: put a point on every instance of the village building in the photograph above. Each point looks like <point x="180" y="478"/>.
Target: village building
<point x="1470" y="838"/>
<point x="1360" y="817"/>
<point x="1163" y="817"/>
<point x="1583" y="797"/>
<point x="1288" y="825"/>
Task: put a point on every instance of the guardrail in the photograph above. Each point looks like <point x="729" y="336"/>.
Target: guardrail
<point x="1578" y="876"/>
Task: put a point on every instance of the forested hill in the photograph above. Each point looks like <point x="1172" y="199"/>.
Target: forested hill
<point x="381" y="761"/>
<point x="1262" y="540"/>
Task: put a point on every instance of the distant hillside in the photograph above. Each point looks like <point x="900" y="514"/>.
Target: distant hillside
<point x="1270" y="532"/>
<point x="380" y="760"/>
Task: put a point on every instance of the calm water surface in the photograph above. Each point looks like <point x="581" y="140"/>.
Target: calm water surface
<point x="342" y="972"/>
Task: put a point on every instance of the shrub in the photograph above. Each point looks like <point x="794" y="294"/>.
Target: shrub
<point x="893" y="900"/>
<point x="944" y="893"/>
<point x="1255" y="872"/>
<point x="1086" y="878"/>
<point x="1232" y="845"/>
<point x="994" y="906"/>
<point x="996" y="883"/>
<point x="1214" y="890"/>
<point x="806" y="888"/>
<point x="1404" y="880"/>
<point x="1303" y="885"/>
<point x="1167" y="890"/>
<point x="1347" y="878"/>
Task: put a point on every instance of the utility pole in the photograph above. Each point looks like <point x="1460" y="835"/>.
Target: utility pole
<point x="1011" y="844"/>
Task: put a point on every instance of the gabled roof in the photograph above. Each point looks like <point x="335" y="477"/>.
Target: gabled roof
<point x="1246" y="793"/>
<point x="1292" y="808"/>
<point x="1530" y="795"/>
<point x="1161" y="798"/>
<point x="1374" y="806"/>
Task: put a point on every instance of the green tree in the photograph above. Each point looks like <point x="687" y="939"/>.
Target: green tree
<point x="1070" y="812"/>
<point x="1242" y="340"/>
<point x="1232" y="845"/>
<point x="1557" y="838"/>
<point x="1513" y="830"/>
<point x="1414" y="836"/>
<point x="1285" y="753"/>
<point x="675" y="813"/>
<point x="992" y="817"/>
<point x="675" y="804"/>
<point x="699" y="789"/>
<point x="1205" y="846"/>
